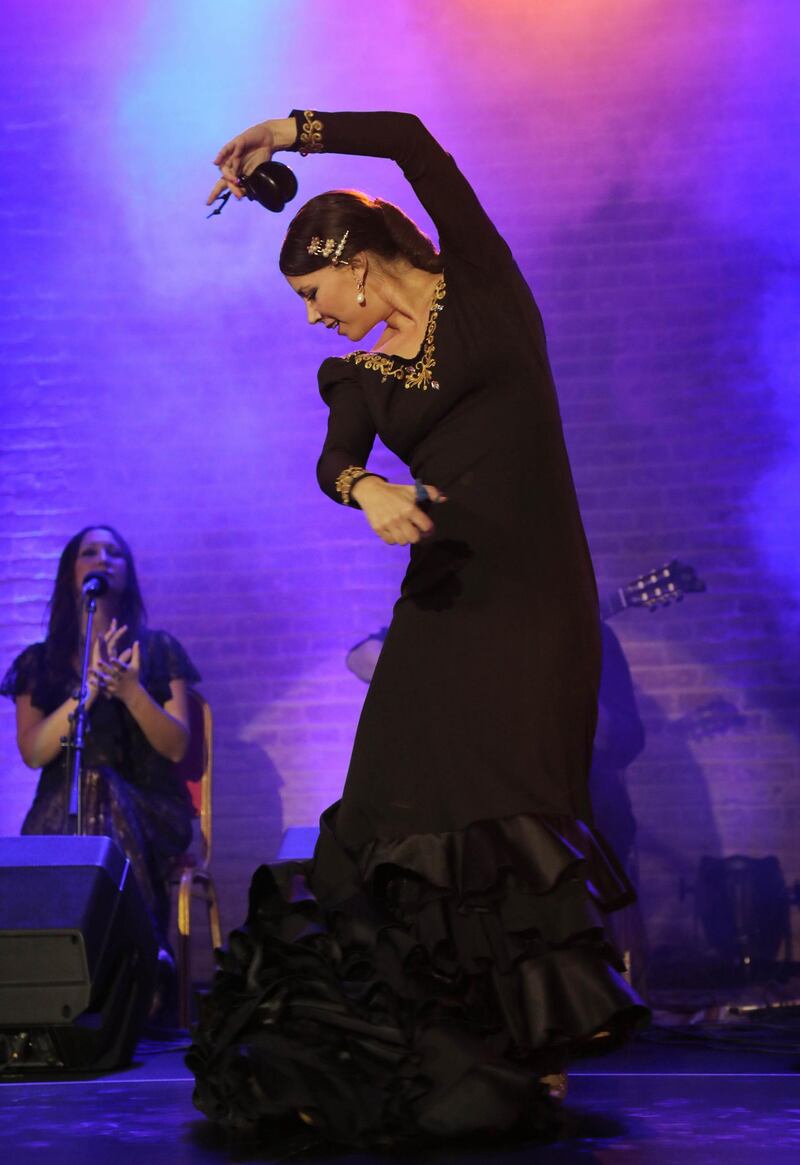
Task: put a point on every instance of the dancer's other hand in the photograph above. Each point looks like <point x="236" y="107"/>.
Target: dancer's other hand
<point x="392" y="510"/>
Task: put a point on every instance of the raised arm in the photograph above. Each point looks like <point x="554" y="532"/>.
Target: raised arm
<point x="463" y="225"/>
<point x="465" y="230"/>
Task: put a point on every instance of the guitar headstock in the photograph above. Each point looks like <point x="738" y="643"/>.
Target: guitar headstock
<point x="667" y="584"/>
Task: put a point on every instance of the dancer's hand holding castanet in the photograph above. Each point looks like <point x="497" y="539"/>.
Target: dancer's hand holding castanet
<point x="249" y="149"/>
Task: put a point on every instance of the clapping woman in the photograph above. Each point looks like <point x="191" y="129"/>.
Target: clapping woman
<point x="137" y="711"/>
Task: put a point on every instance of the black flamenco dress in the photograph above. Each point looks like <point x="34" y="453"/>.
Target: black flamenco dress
<point x="131" y="793"/>
<point x="444" y="948"/>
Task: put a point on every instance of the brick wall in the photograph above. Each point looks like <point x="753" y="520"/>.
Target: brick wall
<point x="156" y="373"/>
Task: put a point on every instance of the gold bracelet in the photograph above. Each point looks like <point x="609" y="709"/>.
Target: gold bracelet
<point x="347" y="479"/>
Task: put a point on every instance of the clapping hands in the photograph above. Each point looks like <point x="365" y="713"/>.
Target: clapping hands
<point x="114" y="674"/>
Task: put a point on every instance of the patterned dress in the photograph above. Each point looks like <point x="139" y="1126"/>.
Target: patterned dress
<point x="130" y="792"/>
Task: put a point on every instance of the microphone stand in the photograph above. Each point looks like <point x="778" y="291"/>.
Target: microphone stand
<point x="75" y="744"/>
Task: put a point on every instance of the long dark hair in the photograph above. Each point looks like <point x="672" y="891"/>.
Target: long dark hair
<point x="372" y="225"/>
<point x="64" y="625"/>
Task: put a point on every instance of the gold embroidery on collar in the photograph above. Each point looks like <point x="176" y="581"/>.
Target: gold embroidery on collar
<point x="420" y="374"/>
<point x="347" y="479"/>
<point x="311" y="134"/>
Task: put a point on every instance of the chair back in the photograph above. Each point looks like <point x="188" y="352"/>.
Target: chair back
<point x="197" y="766"/>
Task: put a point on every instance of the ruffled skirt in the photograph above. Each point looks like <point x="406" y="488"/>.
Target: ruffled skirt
<point x="418" y="989"/>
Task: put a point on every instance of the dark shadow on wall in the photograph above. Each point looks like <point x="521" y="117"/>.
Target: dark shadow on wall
<point x="658" y="818"/>
<point x="653" y="315"/>
<point x="252" y="833"/>
<point x="676" y="827"/>
<point x="654" y="321"/>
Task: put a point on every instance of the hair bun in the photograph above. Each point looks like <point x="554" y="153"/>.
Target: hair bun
<point x="409" y="240"/>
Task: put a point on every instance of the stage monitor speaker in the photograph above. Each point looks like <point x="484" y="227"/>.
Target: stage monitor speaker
<point x="77" y="955"/>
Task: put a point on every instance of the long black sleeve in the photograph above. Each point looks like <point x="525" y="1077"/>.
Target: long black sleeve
<point x="351" y="432"/>
<point x="465" y="230"/>
<point x="469" y="242"/>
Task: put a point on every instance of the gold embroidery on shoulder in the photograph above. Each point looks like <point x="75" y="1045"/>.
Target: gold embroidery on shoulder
<point x="420" y="374"/>
<point x="311" y="134"/>
<point x="347" y="479"/>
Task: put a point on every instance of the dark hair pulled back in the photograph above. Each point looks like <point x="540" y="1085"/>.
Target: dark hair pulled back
<point x="372" y="225"/>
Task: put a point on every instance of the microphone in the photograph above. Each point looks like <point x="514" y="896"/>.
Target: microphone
<point x="94" y="585"/>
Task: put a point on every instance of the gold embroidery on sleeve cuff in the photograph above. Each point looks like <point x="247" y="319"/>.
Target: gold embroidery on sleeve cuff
<point x="311" y="134"/>
<point x="347" y="479"/>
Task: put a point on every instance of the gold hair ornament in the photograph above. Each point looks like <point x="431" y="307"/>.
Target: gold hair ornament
<point x="329" y="248"/>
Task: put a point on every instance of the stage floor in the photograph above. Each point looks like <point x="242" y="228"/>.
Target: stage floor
<point x="657" y="1103"/>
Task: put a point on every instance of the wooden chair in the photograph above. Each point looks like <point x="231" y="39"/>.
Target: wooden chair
<point x="192" y="873"/>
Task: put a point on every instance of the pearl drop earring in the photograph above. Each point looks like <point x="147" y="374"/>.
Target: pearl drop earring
<point x="360" y="297"/>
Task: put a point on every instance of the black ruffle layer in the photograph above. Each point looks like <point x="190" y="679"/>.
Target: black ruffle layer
<point x="420" y="989"/>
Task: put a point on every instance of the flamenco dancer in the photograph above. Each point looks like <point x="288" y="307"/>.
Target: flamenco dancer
<point x="442" y="957"/>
